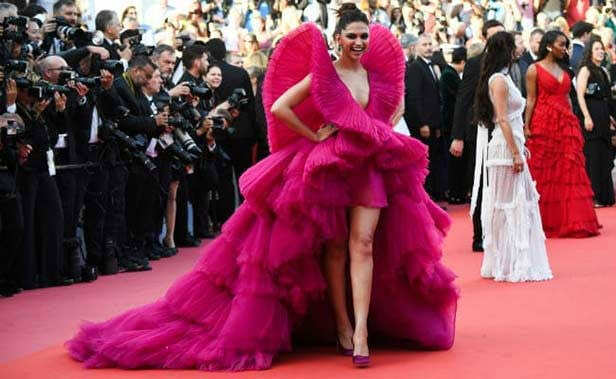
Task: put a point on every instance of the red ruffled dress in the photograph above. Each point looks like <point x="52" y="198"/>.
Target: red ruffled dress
<point x="259" y="287"/>
<point x="557" y="162"/>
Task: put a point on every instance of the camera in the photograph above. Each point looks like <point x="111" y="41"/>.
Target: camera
<point x="201" y="92"/>
<point x="109" y="131"/>
<point x="12" y="133"/>
<point x="75" y="34"/>
<point x="218" y="122"/>
<point x="41" y="89"/>
<point x="15" y="66"/>
<point x="19" y="35"/>
<point x="113" y="66"/>
<point x="31" y="49"/>
<point x="137" y="47"/>
<point x="238" y="98"/>
<point x="93" y="82"/>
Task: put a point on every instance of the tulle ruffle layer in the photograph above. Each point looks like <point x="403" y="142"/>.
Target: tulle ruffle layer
<point x="557" y="165"/>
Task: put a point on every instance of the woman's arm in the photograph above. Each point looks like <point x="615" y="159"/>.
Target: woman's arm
<point x="500" y="92"/>
<point x="395" y="118"/>
<point x="531" y="97"/>
<point x="580" y="89"/>
<point x="282" y="108"/>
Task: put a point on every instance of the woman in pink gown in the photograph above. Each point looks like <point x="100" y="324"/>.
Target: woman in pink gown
<point x="261" y="285"/>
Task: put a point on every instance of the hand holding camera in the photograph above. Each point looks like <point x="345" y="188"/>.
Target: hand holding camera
<point x="40" y="106"/>
<point x="161" y="119"/>
<point x="106" y="79"/>
<point x="180" y="90"/>
<point x="60" y="101"/>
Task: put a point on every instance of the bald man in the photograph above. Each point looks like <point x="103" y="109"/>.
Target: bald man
<point x="68" y="178"/>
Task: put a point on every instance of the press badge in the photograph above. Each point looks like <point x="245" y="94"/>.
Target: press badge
<point x="50" y="163"/>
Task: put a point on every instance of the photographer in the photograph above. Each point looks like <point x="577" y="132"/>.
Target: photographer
<point x="11" y="216"/>
<point x="108" y="23"/>
<point x="140" y="124"/>
<point x="102" y="189"/>
<point x="69" y="176"/>
<point x="196" y="62"/>
<point x="161" y="179"/>
<point x="164" y="57"/>
<point x="240" y="144"/>
<point x="65" y="14"/>
<point x="215" y="168"/>
<point x="42" y="209"/>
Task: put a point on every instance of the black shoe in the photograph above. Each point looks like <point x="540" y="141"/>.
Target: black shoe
<point x="478" y="246"/>
<point x="188" y="241"/>
<point x="142" y="264"/>
<point x="127" y="265"/>
<point x="110" y="266"/>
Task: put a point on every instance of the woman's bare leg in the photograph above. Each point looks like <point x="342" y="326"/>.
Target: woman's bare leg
<point x="335" y="273"/>
<point x="171" y="211"/>
<point x="363" y="224"/>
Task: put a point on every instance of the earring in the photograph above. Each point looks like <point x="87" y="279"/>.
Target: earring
<point x="549" y="49"/>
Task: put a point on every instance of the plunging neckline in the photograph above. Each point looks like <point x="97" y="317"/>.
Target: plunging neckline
<point x="552" y="75"/>
<point x="348" y="90"/>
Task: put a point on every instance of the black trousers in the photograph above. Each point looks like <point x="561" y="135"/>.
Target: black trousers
<point x="436" y="181"/>
<point x="199" y="192"/>
<point x="599" y="164"/>
<point x="104" y="217"/>
<point x="458" y="178"/>
<point x="142" y="204"/>
<point x="41" y="259"/>
<point x="11" y="234"/>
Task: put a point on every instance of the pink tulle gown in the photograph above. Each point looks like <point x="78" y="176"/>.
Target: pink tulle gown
<point x="259" y="287"/>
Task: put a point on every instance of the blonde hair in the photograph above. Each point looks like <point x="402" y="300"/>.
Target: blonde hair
<point x="256" y="59"/>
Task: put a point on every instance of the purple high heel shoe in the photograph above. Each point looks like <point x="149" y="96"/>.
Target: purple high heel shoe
<point x="341" y="350"/>
<point x="361" y="361"/>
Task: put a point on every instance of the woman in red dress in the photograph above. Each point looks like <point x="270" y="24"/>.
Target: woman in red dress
<point x="556" y="145"/>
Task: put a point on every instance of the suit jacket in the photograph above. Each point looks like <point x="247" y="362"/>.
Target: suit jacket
<point x="139" y="120"/>
<point x="449" y="84"/>
<point x="236" y="77"/>
<point x="577" y="51"/>
<point x="463" y="127"/>
<point x="112" y="49"/>
<point x="422" y="98"/>
<point x="524" y="62"/>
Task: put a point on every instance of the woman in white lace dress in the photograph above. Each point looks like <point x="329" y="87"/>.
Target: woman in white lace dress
<point x="514" y="243"/>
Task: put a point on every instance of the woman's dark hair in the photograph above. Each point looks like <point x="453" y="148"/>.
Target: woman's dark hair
<point x="211" y="66"/>
<point x="347" y="14"/>
<point x="498" y="55"/>
<point x="595" y="71"/>
<point x="548" y="40"/>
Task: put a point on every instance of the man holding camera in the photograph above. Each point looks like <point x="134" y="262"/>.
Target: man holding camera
<point x="108" y="23"/>
<point x="69" y="177"/>
<point x="11" y="216"/>
<point x="42" y="208"/>
<point x="142" y="125"/>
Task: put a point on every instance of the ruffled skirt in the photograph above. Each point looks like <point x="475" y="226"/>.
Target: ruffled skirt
<point x="514" y="242"/>
<point x="260" y="282"/>
<point x="557" y="164"/>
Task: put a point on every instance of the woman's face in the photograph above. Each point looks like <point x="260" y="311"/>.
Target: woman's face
<point x="354" y="40"/>
<point x="251" y="44"/>
<point x="214" y="77"/>
<point x="598" y="52"/>
<point x="559" y="48"/>
<point x="132" y="12"/>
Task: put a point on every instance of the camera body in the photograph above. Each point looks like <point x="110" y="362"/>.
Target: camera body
<point x="238" y="98"/>
<point x="41" y="89"/>
<point x="18" y="33"/>
<point x="64" y="30"/>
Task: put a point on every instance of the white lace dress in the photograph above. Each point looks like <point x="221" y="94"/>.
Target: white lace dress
<point x="513" y="241"/>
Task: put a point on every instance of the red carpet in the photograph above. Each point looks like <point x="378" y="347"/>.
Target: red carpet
<point x="564" y="328"/>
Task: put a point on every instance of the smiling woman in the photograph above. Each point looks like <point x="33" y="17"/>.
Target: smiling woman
<point x="337" y="176"/>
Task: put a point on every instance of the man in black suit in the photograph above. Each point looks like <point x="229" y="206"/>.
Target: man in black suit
<point x="240" y="145"/>
<point x="108" y="23"/>
<point x="11" y="215"/>
<point x="141" y="125"/>
<point x="581" y="32"/>
<point x="530" y="56"/>
<point x="423" y="100"/>
<point x="464" y="129"/>
<point x="449" y="84"/>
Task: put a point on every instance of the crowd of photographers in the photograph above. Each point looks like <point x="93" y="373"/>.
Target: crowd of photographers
<point x="96" y="133"/>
